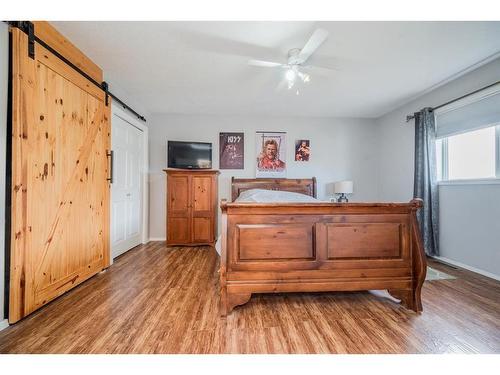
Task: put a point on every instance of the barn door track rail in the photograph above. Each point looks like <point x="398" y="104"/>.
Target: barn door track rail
<point x="29" y="29"/>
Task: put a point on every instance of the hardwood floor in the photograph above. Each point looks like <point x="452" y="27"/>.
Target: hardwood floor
<point x="155" y="299"/>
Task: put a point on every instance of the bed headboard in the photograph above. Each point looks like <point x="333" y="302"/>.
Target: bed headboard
<point x="305" y="186"/>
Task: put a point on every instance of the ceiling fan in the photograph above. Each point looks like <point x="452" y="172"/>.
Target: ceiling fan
<point x="294" y="67"/>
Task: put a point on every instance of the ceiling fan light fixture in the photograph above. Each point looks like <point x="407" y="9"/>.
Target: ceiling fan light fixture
<point x="290" y="75"/>
<point x="304" y="77"/>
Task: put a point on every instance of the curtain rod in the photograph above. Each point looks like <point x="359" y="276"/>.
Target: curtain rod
<point x="28" y="28"/>
<point x="411" y="117"/>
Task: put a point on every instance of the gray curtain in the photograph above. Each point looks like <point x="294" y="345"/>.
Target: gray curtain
<point x="425" y="185"/>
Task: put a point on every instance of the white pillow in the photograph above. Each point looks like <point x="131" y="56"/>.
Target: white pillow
<point x="273" y="196"/>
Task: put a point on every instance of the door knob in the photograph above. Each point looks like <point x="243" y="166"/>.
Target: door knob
<point x="128" y="194"/>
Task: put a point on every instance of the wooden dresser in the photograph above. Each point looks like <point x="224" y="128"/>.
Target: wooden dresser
<point x="191" y="206"/>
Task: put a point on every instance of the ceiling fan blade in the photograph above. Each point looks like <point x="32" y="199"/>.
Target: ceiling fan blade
<point x="265" y="64"/>
<point x="316" y="39"/>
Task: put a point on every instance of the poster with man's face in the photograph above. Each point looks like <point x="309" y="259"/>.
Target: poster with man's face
<point x="271" y="154"/>
<point x="231" y="150"/>
<point x="302" y="150"/>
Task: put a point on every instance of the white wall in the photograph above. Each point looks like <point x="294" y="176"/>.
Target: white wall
<point x="469" y="214"/>
<point x="470" y="225"/>
<point x="4" y="53"/>
<point x="340" y="149"/>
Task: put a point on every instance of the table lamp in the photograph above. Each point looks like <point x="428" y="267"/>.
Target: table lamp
<point x="343" y="188"/>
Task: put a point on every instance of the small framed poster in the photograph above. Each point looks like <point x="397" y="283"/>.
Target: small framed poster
<point x="231" y="150"/>
<point x="302" y="150"/>
<point x="271" y="154"/>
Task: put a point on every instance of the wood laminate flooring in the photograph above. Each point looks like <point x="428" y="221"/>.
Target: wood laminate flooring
<point x="155" y="299"/>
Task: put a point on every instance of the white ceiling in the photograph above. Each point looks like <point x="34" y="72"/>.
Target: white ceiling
<point x="201" y="67"/>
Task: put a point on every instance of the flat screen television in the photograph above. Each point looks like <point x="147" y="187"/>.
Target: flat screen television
<point x="189" y="155"/>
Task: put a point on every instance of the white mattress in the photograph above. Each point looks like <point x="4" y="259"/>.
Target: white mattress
<point x="273" y="196"/>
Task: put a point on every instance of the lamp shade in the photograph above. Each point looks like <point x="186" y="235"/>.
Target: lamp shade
<point x="343" y="187"/>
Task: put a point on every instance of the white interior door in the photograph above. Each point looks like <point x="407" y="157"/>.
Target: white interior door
<point x="126" y="190"/>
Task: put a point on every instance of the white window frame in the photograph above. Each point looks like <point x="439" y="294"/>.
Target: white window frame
<point x="443" y="178"/>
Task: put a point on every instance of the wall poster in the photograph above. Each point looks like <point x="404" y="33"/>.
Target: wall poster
<point x="302" y="149"/>
<point x="271" y="154"/>
<point x="231" y="150"/>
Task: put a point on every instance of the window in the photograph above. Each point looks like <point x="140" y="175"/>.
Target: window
<point x="468" y="138"/>
<point x="470" y="155"/>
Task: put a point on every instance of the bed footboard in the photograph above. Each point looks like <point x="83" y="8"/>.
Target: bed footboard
<point x="314" y="247"/>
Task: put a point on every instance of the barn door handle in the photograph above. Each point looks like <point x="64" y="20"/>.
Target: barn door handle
<point x="110" y="154"/>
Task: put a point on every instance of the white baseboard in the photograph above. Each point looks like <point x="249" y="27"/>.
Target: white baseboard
<point x="4" y="324"/>
<point x="157" y="239"/>
<point x="467" y="267"/>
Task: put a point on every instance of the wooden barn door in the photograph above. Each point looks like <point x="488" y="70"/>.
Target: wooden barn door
<point x="60" y="192"/>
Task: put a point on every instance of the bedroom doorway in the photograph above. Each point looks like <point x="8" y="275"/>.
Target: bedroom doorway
<point x="129" y="142"/>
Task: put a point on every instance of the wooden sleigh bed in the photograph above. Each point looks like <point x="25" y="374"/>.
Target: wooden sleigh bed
<point x="314" y="247"/>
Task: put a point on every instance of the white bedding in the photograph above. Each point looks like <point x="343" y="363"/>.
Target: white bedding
<point x="273" y="196"/>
